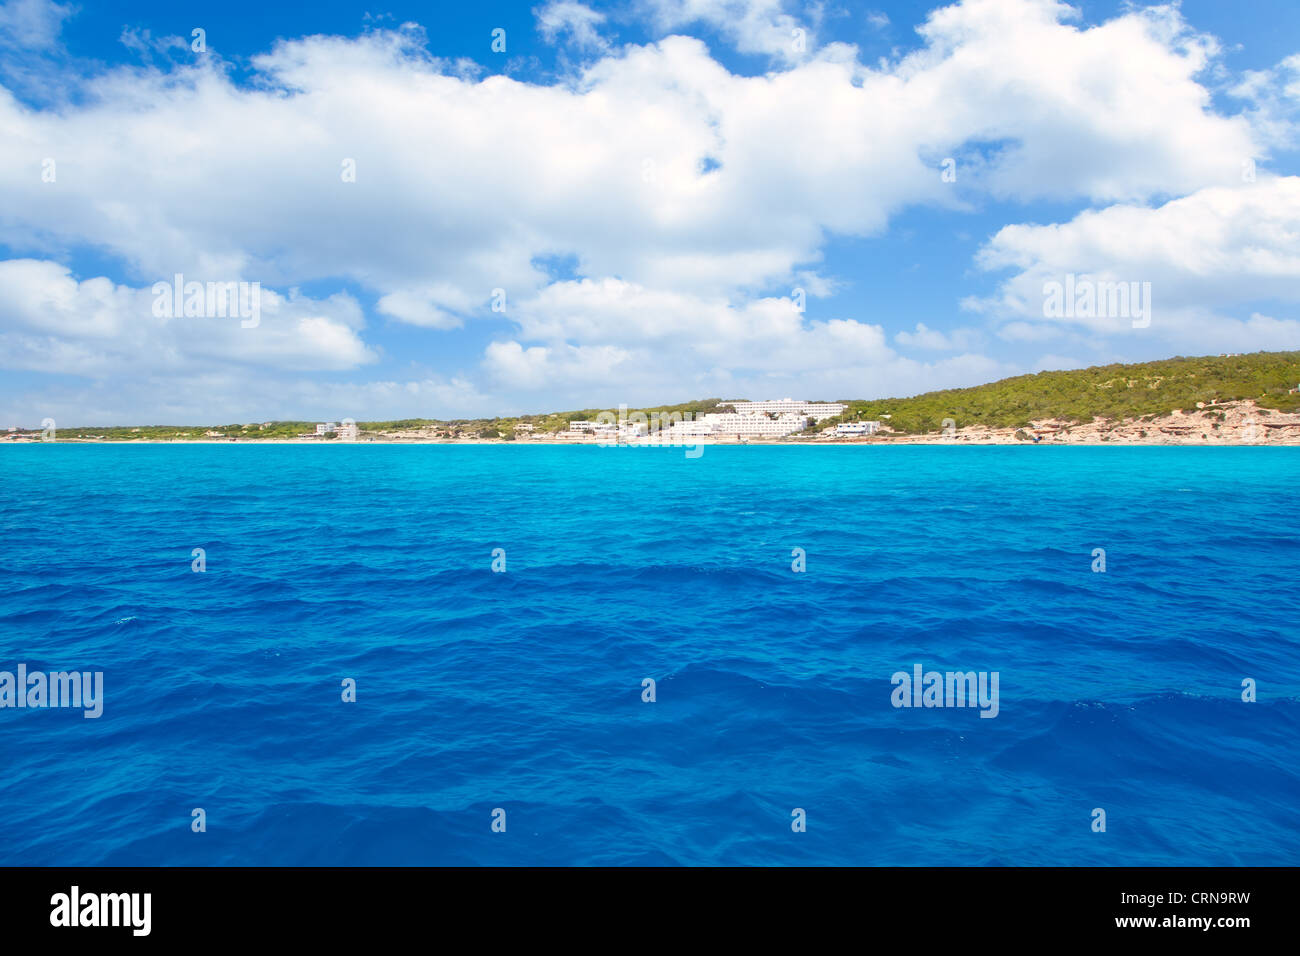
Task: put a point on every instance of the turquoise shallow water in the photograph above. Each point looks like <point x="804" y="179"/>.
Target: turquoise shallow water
<point x="522" y="690"/>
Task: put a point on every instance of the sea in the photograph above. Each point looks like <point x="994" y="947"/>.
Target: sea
<point x="515" y="654"/>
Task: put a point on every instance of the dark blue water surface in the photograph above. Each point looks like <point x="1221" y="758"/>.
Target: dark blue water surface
<point x="522" y="690"/>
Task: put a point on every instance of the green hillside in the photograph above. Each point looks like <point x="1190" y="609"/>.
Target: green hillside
<point x="1103" y="391"/>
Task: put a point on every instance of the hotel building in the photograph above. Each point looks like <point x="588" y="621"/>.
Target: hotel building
<point x="727" y="425"/>
<point x="788" y="406"/>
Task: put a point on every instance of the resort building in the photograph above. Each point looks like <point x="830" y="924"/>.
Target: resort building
<point x="788" y="406"/>
<point x="347" y="431"/>
<point x="756" y="426"/>
<point x="728" y="425"/>
<point x="856" y="428"/>
<point x="686" y="429"/>
<point x="598" y="428"/>
<point x="325" y="428"/>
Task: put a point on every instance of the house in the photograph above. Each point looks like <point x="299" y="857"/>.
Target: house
<point x="851" y="429"/>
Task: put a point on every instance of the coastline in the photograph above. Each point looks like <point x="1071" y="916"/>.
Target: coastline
<point x="1229" y="423"/>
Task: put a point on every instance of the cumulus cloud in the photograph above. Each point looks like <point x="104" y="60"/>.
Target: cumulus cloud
<point x="1202" y="254"/>
<point x="637" y="342"/>
<point x="97" y="328"/>
<point x="924" y="337"/>
<point x="659" y="167"/>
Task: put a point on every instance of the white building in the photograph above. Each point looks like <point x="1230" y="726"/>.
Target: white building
<point x="324" y="428"/>
<point x="686" y="429"/>
<point x="347" y="431"/>
<point x="788" y="406"/>
<point x="728" y="425"/>
<point x="600" y="428"/>
<point x="755" y="426"/>
<point x="856" y="428"/>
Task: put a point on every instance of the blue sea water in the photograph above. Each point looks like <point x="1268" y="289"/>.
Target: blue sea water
<point x="522" y="690"/>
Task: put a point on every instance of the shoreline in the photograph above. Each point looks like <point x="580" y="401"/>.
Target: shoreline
<point x="1227" y="424"/>
<point x="811" y="443"/>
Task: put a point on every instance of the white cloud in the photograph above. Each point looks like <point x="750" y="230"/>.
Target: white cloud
<point x="1203" y="255"/>
<point x="924" y="337"/>
<point x="575" y="21"/>
<point x="32" y="24"/>
<point x="1274" y="98"/>
<point x="642" y="345"/>
<point x="538" y="366"/>
<point x="143" y="42"/>
<point x="660" y="166"/>
<point x="51" y="321"/>
<point x="1110" y="112"/>
<point x="434" y="307"/>
<point x="757" y="334"/>
<point x="752" y="26"/>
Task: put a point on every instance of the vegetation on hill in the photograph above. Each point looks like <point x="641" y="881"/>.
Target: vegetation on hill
<point x="1142" y="390"/>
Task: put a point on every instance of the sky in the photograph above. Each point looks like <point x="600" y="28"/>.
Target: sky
<point x="460" y="210"/>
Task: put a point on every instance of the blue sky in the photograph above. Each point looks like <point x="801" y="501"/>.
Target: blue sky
<point x="647" y="191"/>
